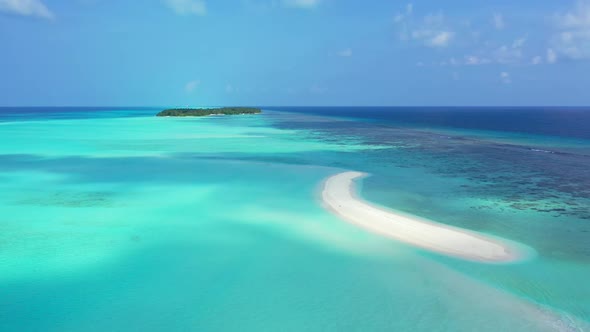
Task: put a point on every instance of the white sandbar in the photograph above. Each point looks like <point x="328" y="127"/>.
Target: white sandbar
<point x="339" y="196"/>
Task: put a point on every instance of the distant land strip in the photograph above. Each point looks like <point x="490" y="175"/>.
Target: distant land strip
<point x="180" y="112"/>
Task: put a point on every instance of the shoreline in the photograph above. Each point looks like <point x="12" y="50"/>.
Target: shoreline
<point x="339" y="196"/>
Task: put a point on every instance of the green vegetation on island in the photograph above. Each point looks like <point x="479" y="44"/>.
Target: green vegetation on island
<point x="209" y="111"/>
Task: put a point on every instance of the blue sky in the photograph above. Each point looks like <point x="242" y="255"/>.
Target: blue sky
<point x="294" y="52"/>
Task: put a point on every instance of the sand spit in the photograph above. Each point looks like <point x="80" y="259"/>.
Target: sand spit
<point x="339" y="196"/>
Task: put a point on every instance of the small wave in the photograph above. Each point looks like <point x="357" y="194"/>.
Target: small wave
<point x="539" y="150"/>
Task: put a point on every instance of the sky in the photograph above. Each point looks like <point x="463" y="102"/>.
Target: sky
<point x="294" y="52"/>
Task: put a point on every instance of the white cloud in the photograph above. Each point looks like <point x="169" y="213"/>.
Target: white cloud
<point x="34" y="8"/>
<point x="402" y="16"/>
<point x="537" y="60"/>
<point x="551" y="56"/>
<point x="579" y="17"/>
<point x="188" y="7"/>
<point x="472" y="60"/>
<point x="498" y="21"/>
<point x="304" y="4"/>
<point x="519" y="43"/>
<point x="507" y="55"/>
<point x="345" y="53"/>
<point x="433" y="38"/>
<point x="572" y="39"/>
<point x="505" y="77"/>
<point x="468" y="60"/>
<point x="510" y="54"/>
<point x="229" y="88"/>
<point x="440" y="39"/>
<point x="431" y="31"/>
<point x="191" y="86"/>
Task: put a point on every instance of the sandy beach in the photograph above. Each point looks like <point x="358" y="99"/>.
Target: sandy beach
<point x="339" y="196"/>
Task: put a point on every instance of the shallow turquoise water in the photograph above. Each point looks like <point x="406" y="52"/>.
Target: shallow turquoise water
<point x="116" y="223"/>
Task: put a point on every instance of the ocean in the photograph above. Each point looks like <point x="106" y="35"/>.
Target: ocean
<point x="115" y="220"/>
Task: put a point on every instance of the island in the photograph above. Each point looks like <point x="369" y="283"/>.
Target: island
<point x="179" y="112"/>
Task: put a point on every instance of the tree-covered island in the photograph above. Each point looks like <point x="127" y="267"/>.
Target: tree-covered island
<point x="209" y="111"/>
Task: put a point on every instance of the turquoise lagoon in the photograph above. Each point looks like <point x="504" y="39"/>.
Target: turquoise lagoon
<point x="115" y="220"/>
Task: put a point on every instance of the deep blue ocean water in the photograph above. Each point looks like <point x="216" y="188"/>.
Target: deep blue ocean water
<point x="554" y="121"/>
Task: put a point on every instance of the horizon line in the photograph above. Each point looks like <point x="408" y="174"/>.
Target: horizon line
<point x="296" y="106"/>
